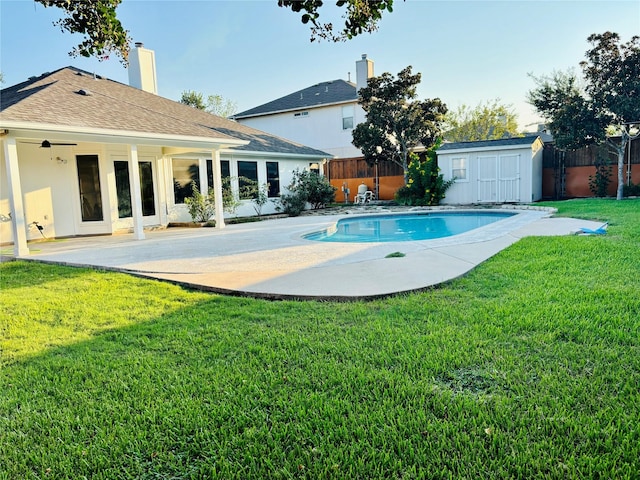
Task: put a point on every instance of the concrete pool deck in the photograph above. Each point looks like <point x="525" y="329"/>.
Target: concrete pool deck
<point x="270" y="259"/>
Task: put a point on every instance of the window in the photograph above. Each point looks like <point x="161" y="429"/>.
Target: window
<point x="273" y="179"/>
<point x="123" y="189"/>
<point x="186" y="173"/>
<point x="314" y="168"/>
<point x="247" y="173"/>
<point x="459" y="169"/>
<point x="347" y="117"/>
<point x="89" y="186"/>
<point x="146" y="189"/>
<point x="224" y="171"/>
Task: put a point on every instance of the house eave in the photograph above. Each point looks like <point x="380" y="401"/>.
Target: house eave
<point x="290" y="110"/>
<point x="250" y="153"/>
<point x="484" y="149"/>
<point x="23" y="129"/>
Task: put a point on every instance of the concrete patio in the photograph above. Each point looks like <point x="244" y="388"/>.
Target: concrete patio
<point x="271" y="259"/>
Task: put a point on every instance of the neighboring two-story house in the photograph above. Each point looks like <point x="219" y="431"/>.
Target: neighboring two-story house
<point x="321" y="116"/>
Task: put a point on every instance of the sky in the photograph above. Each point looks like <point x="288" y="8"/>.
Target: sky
<point x="252" y="51"/>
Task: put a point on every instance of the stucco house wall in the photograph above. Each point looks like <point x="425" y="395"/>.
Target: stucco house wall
<point x="318" y="127"/>
<point x="69" y="142"/>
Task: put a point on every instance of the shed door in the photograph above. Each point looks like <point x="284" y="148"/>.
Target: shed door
<point x="509" y="180"/>
<point x="487" y="179"/>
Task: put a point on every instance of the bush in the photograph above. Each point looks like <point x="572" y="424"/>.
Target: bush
<point x="631" y="190"/>
<point x="426" y="185"/>
<point x="261" y="197"/>
<point x="306" y="187"/>
<point x="599" y="182"/>
<point x="201" y="207"/>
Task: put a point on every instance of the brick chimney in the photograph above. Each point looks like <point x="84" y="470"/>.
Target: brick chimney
<point x="364" y="71"/>
<point x="142" y="69"/>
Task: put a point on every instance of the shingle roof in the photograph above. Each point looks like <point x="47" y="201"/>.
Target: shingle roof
<point x="503" y="142"/>
<point x="325" y="93"/>
<point x="57" y="98"/>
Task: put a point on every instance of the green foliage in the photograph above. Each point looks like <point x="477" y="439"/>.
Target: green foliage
<point x="215" y="104"/>
<point x="97" y="21"/>
<point x="569" y="116"/>
<point x="396" y="123"/>
<point x="261" y="197"/>
<point x="201" y="207"/>
<point x="426" y="185"/>
<point x="632" y="190"/>
<point x="527" y="367"/>
<point x="487" y="121"/>
<point x="193" y="99"/>
<point x="306" y="187"/>
<point x="610" y="97"/>
<point x="599" y="181"/>
<point x="359" y="17"/>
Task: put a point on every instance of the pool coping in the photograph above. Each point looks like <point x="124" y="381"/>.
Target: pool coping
<point x="271" y="260"/>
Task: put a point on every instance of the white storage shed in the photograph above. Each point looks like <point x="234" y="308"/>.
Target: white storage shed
<point x="493" y="171"/>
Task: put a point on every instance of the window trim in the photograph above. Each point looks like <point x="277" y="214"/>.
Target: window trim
<point x="349" y="109"/>
<point x="465" y="167"/>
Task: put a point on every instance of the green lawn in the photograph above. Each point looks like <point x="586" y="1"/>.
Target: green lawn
<point x="529" y="367"/>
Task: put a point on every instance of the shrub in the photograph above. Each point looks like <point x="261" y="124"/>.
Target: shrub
<point x="201" y="207"/>
<point x="599" y="182"/>
<point x="261" y="197"/>
<point x="306" y="187"/>
<point x="426" y="185"/>
<point x="631" y="190"/>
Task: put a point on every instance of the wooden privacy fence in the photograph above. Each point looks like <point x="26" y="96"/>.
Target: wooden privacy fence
<point x="349" y="173"/>
<point x="566" y="174"/>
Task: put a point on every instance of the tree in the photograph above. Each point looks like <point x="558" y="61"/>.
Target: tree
<point x="193" y="99"/>
<point x="568" y="114"/>
<point x="104" y="34"/>
<point x="487" y="121"/>
<point x="396" y="123"/>
<point x="97" y="21"/>
<point x="215" y="104"/>
<point x="361" y="16"/>
<point x="223" y="107"/>
<point x="609" y="100"/>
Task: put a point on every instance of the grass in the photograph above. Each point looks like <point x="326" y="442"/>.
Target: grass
<point x="529" y="367"/>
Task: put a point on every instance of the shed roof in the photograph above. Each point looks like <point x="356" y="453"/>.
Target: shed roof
<point x="321" y="94"/>
<point x="486" y="144"/>
<point x="73" y="98"/>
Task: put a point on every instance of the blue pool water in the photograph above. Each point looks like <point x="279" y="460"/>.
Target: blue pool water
<point x="406" y="227"/>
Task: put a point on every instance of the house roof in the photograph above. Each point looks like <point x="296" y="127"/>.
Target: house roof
<point x="490" y="144"/>
<point x="74" y="99"/>
<point x="321" y="94"/>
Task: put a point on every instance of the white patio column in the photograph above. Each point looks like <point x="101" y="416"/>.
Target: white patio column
<point x="18" y="225"/>
<point x="217" y="188"/>
<point x="136" y="197"/>
<point x="202" y="172"/>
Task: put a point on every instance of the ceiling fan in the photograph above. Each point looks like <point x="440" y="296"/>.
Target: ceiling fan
<point x="48" y="144"/>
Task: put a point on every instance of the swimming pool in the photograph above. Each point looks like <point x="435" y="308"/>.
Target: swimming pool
<point x="406" y="227"/>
